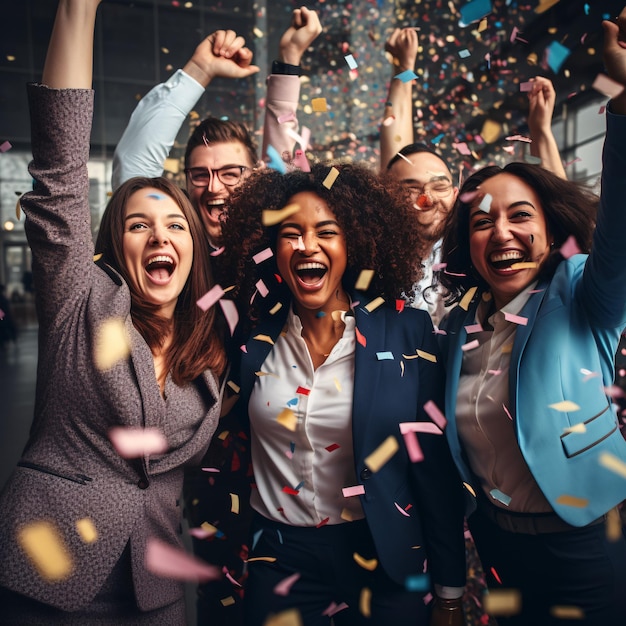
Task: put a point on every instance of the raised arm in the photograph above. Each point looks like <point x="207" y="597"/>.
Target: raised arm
<point x="542" y="99"/>
<point x="155" y="122"/>
<point x="397" y="129"/>
<point x="283" y="84"/>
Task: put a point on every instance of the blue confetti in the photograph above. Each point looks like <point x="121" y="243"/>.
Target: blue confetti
<point x="276" y="161"/>
<point x="384" y="356"/>
<point x="556" y="55"/>
<point x="419" y="582"/>
<point x="496" y="494"/>
<point x="406" y="76"/>
<point x="474" y="11"/>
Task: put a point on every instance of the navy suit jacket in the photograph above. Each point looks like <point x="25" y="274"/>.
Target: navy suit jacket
<point x="387" y="393"/>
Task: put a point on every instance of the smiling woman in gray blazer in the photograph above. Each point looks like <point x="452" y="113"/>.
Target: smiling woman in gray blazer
<point x="72" y="496"/>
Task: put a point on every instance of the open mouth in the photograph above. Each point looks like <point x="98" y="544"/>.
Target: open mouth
<point x="160" y="267"/>
<point x="310" y="273"/>
<point x="504" y="260"/>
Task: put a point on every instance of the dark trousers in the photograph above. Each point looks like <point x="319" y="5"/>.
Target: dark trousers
<point x="328" y="577"/>
<point x="575" y="568"/>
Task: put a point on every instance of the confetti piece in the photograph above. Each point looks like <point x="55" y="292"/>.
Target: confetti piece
<point x="466" y="198"/>
<point x="473" y="328"/>
<point x="508" y="413"/>
<point x="485" y="203"/>
<point x="263" y="256"/>
<point x="470" y="345"/>
<point x="613" y="525"/>
<point x="349" y="492"/>
<point x="265" y="338"/>
<point x="417" y="582"/>
<point x="334" y="608"/>
<point x="565" y="406"/>
<point x="498" y="495"/>
<point x="266" y="559"/>
<point x="229" y="601"/>
<point x="469" y="488"/>
<point x="135" y="442"/>
<point x="284" y="586"/>
<point x="406" y="76"/>
<point x="474" y="11"/>
<point x="319" y="105"/>
<point x="273" y="217"/>
<point x="112" y="344"/>
<point x="556" y="55"/>
<point x="229" y="308"/>
<point x="579" y="503"/>
<point x="467" y="298"/>
<point x="607" y="86"/>
<point x="217" y="252"/>
<point x="87" y="530"/>
<point x="18" y="211"/>
<point x="332" y="447"/>
<point x="167" y="561"/>
<point x="210" y="297"/>
<point x="528" y="265"/>
<point x="420" y="427"/>
<point x="361" y="338"/>
<point x="330" y="179"/>
<point x="463" y="54"/>
<point x="577" y="428"/>
<point x="502" y="602"/>
<point x="544" y="5"/>
<point x="384" y="356"/>
<point x="400" y="304"/>
<point x="234" y="503"/>
<point x="515" y="319"/>
<point x="290" y="491"/>
<point x="288" y="117"/>
<point x="97" y="257"/>
<point x="364" y="280"/>
<point x="413" y="447"/>
<point x="303" y="391"/>
<point x="5" y="146"/>
<point x="462" y="148"/>
<point x="490" y="131"/>
<point x="369" y="564"/>
<point x="427" y="356"/>
<point x="44" y="546"/>
<point x="365" y="602"/>
<point x="611" y="462"/>
<point x="401" y="510"/>
<point x="337" y="384"/>
<point x="277" y="307"/>
<point x="569" y="248"/>
<point x="567" y="612"/>
<point x="432" y="410"/>
<point x="288" y="419"/>
<point x="352" y="64"/>
<point x="382" y="454"/>
<point x="374" y="304"/>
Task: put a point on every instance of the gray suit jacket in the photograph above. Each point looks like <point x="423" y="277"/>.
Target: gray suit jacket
<point x="69" y="470"/>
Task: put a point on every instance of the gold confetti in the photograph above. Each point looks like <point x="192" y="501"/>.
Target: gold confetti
<point x="374" y="304"/>
<point x="319" y="105"/>
<point x="503" y="602"/>
<point x="234" y="386"/>
<point x="382" y="454"/>
<point x="346" y="514"/>
<point x="565" y="406"/>
<point x="97" y="257"/>
<point x="611" y="462"/>
<point x="613" y="525"/>
<point x="273" y="217"/>
<point x="427" y="356"/>
<point x="467" y="298"/>
<point x="18" y="210"/>
<point x="507" y="348"/>
<point x="576" y="428"/>
<point x="369" y="564"/>
<point x="469" y="488"/>
<point x="365" y="602"/>
<point x="222" y="436"/>
<point x="526" y="265"/>
<point x="491" y="131"/>
<point x="579" y="503"/>
<point x="265" y="338"/>
<point x="544" y="5"/>
<point x="229" y="601"/>
<point x="567" y="612"/>
<point x="364" y="280"/>
<point x="171" y="165"/>
<point x="209" y="528"/>
<point x="337" y="384"/>
<point x="290" y="617"/>
<point x="277" y="307"/>
<point x="288" y="419"/>
<point x="234" y="503"/>
<point x="330" y="179"/>
<point x="112" y="344"/>
<point x="267" y="559"/>
<point x="43" y="544"/>
<point x="87" y="530"/>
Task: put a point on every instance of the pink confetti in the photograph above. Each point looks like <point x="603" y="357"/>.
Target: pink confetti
<point x="132" y="443"/>
<point x="432" y="410"/>
<point x="288" y="117"/>
<point x="284" y="586"/>
<point x="202" y="533"/>
<point x="334" y="608"/>
<point x="413" y="448"/>
<point x="349" y="492"/>
<point x="232" y="580"/>
<point x="439" y="266"/>
<point x="507" y="412"/>
<point x="470" y="346"/>
<point x="519" y="138"/>
<point x="495" y="372"/>
<point x="468" y="196"/>
<point x="5" y="146"/>
<point x="217" y="252"/>
<point x="229" y="309"/>
<point x="388" y="121"/>
<point x="210" y="297"/>
<point x="263" y="256"/>
<point x="473" y="328"/>
<point x="168" y="562"/>
<point x="526" y="86"/>
<point x="300" y="161"/>
<point x="569" y="248"/>
<point x="262" y="289"/>
<point x="462" y="148"/>
<point x="515" y="319"/>
<point x="210" y="469"/>
<point x="422" y="427"/>
<point x="401" y="510"/>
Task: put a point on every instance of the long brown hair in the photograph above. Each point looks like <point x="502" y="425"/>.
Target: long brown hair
<point x="196" y="345"/>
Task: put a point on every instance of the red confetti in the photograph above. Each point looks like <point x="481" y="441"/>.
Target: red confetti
<point x="495" y="574"/>
<point x="400" y="305"/>
<point x="332" y="447"/>
<point x="290" y="491"/>
<point x="323" y="522"/>
<point x="360" y="338"/>
<point x="303" y="391"/>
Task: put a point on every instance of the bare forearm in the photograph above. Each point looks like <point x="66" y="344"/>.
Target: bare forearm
<point x="545" y="147"/>
<point x="397" y="128"/>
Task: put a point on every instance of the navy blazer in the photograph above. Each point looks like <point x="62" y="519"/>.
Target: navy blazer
<point x="574" y="322"/>
<point x="386" y="395"/>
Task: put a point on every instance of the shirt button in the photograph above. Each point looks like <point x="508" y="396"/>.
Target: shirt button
<point x="366" y="474"/>
<point x="143" y="484"/>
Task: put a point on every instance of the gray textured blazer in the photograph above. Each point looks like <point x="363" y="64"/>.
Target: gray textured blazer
<point x="69" y="470"/>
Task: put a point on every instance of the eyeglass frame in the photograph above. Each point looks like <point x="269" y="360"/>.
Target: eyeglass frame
<point x="216" y="172"/>
<point x="417" y="191"/>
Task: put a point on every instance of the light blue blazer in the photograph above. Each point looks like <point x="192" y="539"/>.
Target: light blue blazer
<point x="574" y="325"/>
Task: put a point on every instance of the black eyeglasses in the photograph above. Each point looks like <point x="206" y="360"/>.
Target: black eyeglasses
<point x="229" y="175"/>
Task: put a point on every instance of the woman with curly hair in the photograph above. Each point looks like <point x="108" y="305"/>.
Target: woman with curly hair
<point x="338" y="382"/>
<point x="540" y="276"/>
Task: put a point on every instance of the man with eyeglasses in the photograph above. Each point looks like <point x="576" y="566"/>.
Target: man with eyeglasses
<point x="220" y="154"/>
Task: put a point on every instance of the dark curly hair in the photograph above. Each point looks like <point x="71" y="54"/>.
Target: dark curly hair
<point x="375" y="214"/>
<point x="570" y="209"/>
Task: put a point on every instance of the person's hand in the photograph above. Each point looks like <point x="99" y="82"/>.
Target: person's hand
<point x="304" y="29"/>
<point x="447" y="612"/>
<point x="541" y="100"/>
<point x="222" y="53"/>
<point x="402" y="45"/>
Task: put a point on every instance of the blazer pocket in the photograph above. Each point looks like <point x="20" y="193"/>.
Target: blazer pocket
<point x="597" y="429"/>
<point x="81" y="479"/>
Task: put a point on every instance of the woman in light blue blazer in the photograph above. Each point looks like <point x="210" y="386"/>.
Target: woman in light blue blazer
<point x="529" y="352"/>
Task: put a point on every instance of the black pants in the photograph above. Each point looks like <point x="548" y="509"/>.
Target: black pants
<point x="576" y="568"/>
<point x="328" y="577"/>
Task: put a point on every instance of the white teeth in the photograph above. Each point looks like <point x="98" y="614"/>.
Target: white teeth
<point x="310" y="266"/>
<point x="160" y="259"/>
<point x="506" y="256"/>
<point x="217" y="202"/>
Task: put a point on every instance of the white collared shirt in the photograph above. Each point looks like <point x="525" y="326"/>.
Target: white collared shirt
<point x="316" y="460"/>
<point x="483" y="414"/>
